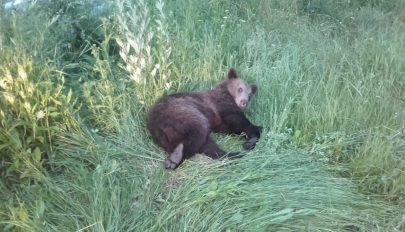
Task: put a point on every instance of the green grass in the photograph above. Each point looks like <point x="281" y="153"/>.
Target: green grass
<point x="76" y="156"/>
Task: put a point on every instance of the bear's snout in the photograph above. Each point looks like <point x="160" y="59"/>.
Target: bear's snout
<point x="243" y="103"/>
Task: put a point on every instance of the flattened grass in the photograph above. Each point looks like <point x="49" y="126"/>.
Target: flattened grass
<point x="110" y="186"/>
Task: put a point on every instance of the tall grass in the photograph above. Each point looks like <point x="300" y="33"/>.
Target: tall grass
<point x="330" y="99"/>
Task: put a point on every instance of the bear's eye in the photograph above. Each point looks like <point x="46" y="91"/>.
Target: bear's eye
<point x="240" y="90"/>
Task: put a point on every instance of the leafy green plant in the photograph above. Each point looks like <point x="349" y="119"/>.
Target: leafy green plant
<point x="145" y="48"/>
<point x="33" y="110"/>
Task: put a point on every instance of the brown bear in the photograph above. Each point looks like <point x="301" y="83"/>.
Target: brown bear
<point x="181" y="123"/>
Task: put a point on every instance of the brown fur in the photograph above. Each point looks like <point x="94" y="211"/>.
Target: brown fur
<point x="181" y="123"/>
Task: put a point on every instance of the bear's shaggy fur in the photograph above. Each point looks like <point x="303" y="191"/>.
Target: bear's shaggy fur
<point x="181" y="123"/>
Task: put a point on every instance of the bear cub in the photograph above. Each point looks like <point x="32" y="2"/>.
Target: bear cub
<point x="181" y="123"/>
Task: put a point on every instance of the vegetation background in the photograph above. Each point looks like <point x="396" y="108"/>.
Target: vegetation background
<point x="77" y="78"/>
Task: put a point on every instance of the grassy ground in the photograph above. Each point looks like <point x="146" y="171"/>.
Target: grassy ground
<point x="77" y="80"/>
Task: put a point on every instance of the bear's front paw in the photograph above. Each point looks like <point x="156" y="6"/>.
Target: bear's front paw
<point x="250" y="144"/>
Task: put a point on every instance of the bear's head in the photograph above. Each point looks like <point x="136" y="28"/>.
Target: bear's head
<point x="239" y="89"/>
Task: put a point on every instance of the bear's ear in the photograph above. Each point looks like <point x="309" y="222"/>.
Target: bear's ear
<point x="254" y="88"/>
<point x="232" y="74"/>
